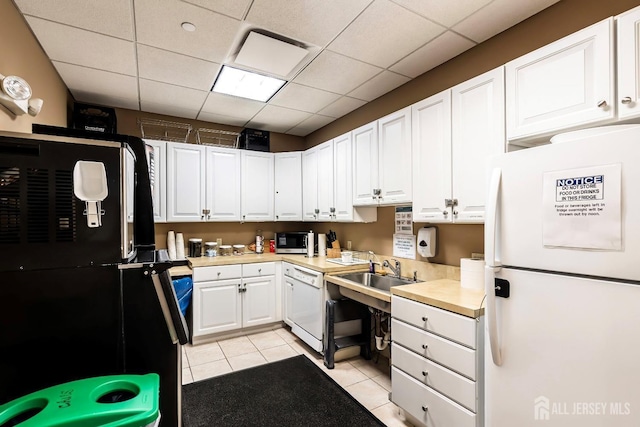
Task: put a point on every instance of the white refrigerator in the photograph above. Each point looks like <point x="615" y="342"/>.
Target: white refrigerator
<point x="562" y="250"/>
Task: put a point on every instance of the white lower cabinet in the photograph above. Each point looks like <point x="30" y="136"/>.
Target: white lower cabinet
<point x="437" y="365"/>
<point x="231" y="297"/>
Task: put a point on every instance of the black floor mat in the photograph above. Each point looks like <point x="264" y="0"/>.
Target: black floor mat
<point x="290" y="392"/>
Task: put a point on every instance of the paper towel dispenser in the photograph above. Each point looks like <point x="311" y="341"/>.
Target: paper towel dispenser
<point x="427" y="242"/>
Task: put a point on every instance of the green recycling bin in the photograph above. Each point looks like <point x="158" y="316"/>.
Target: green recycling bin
<point x="109" y="401"/>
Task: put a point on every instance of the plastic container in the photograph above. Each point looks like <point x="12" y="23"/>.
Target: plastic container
<point x="211" y="249"/>
<point x="195" y="247"/>
<point x="114" y="400"/>
<point x="225" y="250"/>
<point x="238" y="249"/>
<point x="347" y="256"/>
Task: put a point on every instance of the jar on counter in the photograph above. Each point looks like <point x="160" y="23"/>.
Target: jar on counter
<point x="226" y="250"/>
<point x="195" y="247"/>
<point x="211" y="249"/>
<point x="238" y="249"/>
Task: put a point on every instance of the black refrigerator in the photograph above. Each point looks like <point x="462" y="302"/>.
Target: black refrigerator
<point x="83" y="291"/>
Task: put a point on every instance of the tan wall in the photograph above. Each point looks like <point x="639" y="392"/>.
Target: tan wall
<point x="128" y="125"/>
<point x="21" y="55"/>
<point x="553" y="23"/>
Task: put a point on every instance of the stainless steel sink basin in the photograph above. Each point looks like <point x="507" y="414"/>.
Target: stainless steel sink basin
<point x="381" y="283"/>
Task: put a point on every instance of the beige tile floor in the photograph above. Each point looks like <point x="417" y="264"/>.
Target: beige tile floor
<point x="366" y="381"/>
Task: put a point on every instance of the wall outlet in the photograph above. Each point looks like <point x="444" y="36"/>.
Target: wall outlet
<point x="349" y="245"/>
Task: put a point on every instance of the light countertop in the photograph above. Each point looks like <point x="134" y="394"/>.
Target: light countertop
<point x="446" y="294"/>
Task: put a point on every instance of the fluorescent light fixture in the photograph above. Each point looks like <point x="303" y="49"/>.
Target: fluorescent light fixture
<point x="245" y="84"/>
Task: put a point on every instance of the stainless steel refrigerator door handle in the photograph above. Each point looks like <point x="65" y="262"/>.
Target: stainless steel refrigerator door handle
<point x="164" y="305"/>
<point x="492" y="264"/>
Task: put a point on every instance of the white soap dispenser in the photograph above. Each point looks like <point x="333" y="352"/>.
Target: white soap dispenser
<point x="427" y="242"/>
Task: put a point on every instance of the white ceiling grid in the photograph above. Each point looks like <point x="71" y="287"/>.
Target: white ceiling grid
<point x="134" y="53"/>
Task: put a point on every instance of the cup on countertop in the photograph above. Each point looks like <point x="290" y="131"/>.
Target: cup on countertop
<point x="195" y="247"/>
<point x="347" y="256"/>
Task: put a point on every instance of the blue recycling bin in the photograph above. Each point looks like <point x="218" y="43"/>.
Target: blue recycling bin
<point x="184" y="288"/>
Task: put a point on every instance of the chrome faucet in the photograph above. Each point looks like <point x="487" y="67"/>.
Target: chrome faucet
<point x="396" y="270"/>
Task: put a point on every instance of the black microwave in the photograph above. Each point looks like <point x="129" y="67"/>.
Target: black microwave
<point x="291" y="242"/>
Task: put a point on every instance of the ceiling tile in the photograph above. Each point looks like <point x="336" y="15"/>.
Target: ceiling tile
<point x="232" y="8"/>
<point x="336" y="73"/>
<point x="342" y="106"/>
<point x="378" y="86"/>
<point x="385" y="33"/>
<point x="173" y="68"/>
<point x="174" y="97"/>
<point x="113" y="17"/>
<point x="90" y="81"/>
<point x="277" y="119"/>
<point x="309" y="125"/>
<point x="303" y="98"/>
<point x="231" y="106"/>
<point x="446" y="13"/>
<point x="311" y="21"/>
<point x="81" y="47"/>
<point x="220" y="118"/>
<point x="160" y="27"/>
<point x="498" y="16"/>
<point x="434" y="53"/>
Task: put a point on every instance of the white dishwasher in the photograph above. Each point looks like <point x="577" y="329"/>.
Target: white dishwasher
<point x="304" y="303"/>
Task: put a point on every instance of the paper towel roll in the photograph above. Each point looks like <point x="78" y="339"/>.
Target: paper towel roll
<point x="171" y="245"/>
<point x="180" y="246"/>
<point x="322" y="244"/>
<point x="472" y="273"/>
<point x="310" y="244"/>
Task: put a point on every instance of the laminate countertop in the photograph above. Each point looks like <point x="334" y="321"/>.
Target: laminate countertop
<point x="446" y="294"/>
<point x="316" y="263"/>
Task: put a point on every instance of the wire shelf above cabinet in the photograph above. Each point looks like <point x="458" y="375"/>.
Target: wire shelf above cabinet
<point x="217" y="138"/>
<point x="164" y="130"/>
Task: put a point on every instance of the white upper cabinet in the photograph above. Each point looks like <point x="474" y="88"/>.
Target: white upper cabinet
<point x="394" y="160"/>
<point x="310" y="208"/>
<point x="365" y="164"/>
<point x="564" y="85"/>
<point x="185" y="182"/>
<point x="223" y="184"/>
<point x="477" y="133"/>
<point x="257" y="186"/>
<point x="628" y="39"/>
<point x="454" y="132"/>
<point x="288" y="186"/>
<point x="157" y="162"/>
<point x="431" y="149"/>
<point x="326" y="205"/>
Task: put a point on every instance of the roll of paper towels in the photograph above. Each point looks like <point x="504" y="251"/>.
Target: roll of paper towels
<point x="472" y="273"/>
<point x="171" y="245"/>
<point x="322" y="244"/>
<point x="310" y="244"/>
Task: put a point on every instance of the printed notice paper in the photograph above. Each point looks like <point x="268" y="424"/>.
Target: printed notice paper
<point x="582" y="208"/>
<point x="404" y="246"/>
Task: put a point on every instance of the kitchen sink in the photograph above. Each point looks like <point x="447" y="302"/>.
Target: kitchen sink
<point x="381" y="283"/>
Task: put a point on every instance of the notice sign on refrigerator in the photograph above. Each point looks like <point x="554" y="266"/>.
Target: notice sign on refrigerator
<point x="582" y="208"/>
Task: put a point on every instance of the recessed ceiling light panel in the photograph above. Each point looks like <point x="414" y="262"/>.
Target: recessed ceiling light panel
<point x="245" y="84"/>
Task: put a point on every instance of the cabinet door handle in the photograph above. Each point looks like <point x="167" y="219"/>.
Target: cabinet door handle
<point x="425" y="373"/>
<point x="260" y="270"/>
<point x="455" y="213"/>
<point x="602" y="103"/>
<point x="425" y="318"/>
<point x="425" y="408"/>
<point x="445" y="212"/>
<point x="626" y="100"/>
<point x="424" y="346"/>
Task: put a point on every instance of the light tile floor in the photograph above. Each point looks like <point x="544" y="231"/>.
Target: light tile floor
<point x="366" y="381"/>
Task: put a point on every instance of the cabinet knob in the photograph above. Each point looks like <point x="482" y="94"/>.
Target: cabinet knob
<point x="425" y="318"/>
<point x="425" y="408"/>
<point x="424" y="346"/>
<point x="445" y="213"/>
<point x="425" y="373"/>
<point x="602" y="103"/>
<point x="277" y="216"/>
<point x="455" y="212"/>
<point x="626" y="100"/>
<point x="259" y="270"/>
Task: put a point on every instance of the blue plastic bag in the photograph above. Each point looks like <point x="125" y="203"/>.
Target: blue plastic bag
<point x="184" y="289"/>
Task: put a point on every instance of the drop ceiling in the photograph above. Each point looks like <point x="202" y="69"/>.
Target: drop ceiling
<point x="135" y="54"/>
